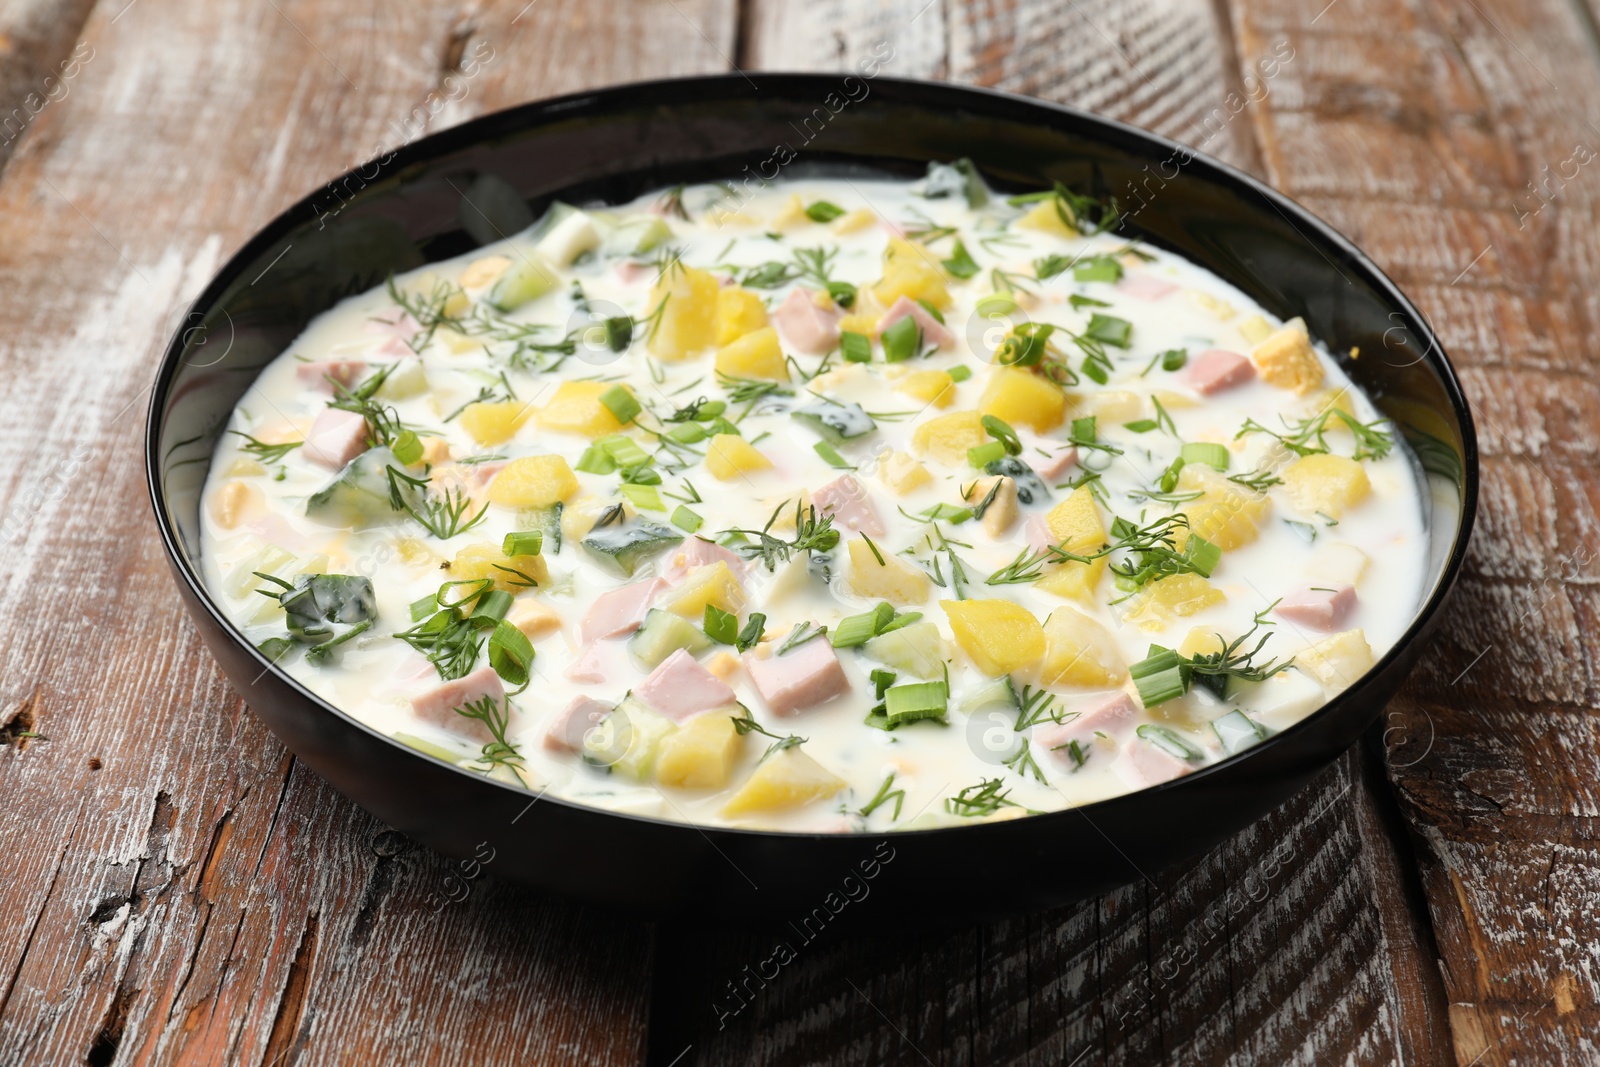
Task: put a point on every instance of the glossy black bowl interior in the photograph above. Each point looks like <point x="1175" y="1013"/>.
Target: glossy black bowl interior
<point x="449" y="193"/>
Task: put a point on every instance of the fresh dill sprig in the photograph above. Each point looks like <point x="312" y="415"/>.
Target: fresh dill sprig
<point x="496" y="717"/>
<point x="812" y="533"/>
<point x="983" y="799"/>
<point x="444" y="516"/>
<point x="1257" y="481"/>
<point x="264" y="452"/>
<point x="1022" y="764"/>
<point x="885" y="793"/>
<point x="1305" y="437"/>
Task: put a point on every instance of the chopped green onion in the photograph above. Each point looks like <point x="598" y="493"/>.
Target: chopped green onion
<point x="1169" y="477"/>
<point x="619" y="333"/>
<point x="1110" y="330"/>
<point x="1141" y="425"/>
<point x="1207" y="452"/>
<point x="421" y="609"/>
<point x="510" y="653"/>
<point x="687" y="520"/>
<point x="854" y="630"/>
<point x="903" y="619"/>
<point x="961" y="264"/>
<point x="855" y="347"/>
<point x="1202" y="554"/>
<point x="721" y="626"/>
<point x="947" y="513"/>
<point x="687" y="433"/>
<point x="915" y="700"/>
<point x="959" y="373"/>
<point x="832" y="457"/>
<point x="881" y="681"/>
<point x="1098" y="269"/>
<point x="492" y="605"/>
<point x="644" y="497"/>
<point x="750" y="636"/>
<point x="902" y="340"/>
<point x="1001" y="431"/>
<point x="1168" y="741"/>
<point x="1237" y="731"/>
<point x="624" y="450"/>
<point x="522" y="543"/>
<point x="1174" y="358"/>
<point x="621" y="402"/>
<point x="709" y="410"/>
<point x="407" y="448"/>
<point x="823" y="211"/>
<point x="981" y="456"/>
<point x="595" y="460"/>
<point x="1159" y="677"/>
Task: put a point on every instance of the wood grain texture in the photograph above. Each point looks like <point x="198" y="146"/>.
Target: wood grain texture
<point x="1455" y="142"/>
<point x="177" y="889"/>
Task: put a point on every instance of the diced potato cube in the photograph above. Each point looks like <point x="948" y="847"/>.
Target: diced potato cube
<point x="791" y="214"/>
<point x="711" y="584"/>
<point x="1337" y="661"/>
<point x="787" y="779"/>
<point x="999" y="635"/>
<point x="236" y="501"/>
<point x="701" y="754"/>
<point x="533" y="482"/>
<point x="1079" y="651"/>
<point x="575" y="408"/>
<point x="1075" y="522"/>
<point x="579" y="517"/>
<point x="1287" y="360"/>
<point x="1227" y="514"/>
<point x="900" y="472"/>
<point x="1327" y="483"/>
<point x="244" y="468"/>
<point x="1023" y="398"/>
<point x="1116" y="406"/>
<point x="687" y="322"/>
<point x="1180" y="596"/>
<point x="854" y="221"/>
<point x="1072" y="579"/>
<point x="406" y="380"/>
<point x="1216" y="307"/>
<point x="912" y="272"/>
<point x="1255" y="329"/>
<point x="485" y="271"/>
<point x="934" y="387"/>
<point x="947" y="437"/>
<point x="1047" y="217"/>
<point x="494" y="423"/>
<point x="891" y="578"/>
<point x="1201" y="641"/>
<point x="728" y="456"/>
<point x="755" y="355"/>
<point x="739" y="311"/>
<point x="917" y="648"/>
<point x="534" y="618"/>
<point x="513" y="574"/>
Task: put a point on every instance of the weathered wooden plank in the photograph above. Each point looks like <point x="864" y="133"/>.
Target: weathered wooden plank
<point x="175" y="888"/>
<point x="1475" y="116"/>
<point x="40" y="61"/>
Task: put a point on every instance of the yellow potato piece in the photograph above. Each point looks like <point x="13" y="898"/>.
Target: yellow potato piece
<point x="903" y="474"/>
<point x="1287" y="360"/>
<point x="1327" y="483"/>
<point x="999" y="635"/>
<point x="712" y="584"/>
<point x="947" y="437"/>
<point x="513" y="574"/>
<point x="494" y="423"/>
<point x="728" y="456"/>
<point x="684" y="299"/>
<point x="1075" y="522"/>
<point x="891" y="578"/>
<point x="755" y="355"/>
<point x="934" y="387"/>
<point x="1046" y="217"/>
<point x="1079" y="652"/>
<point x="739" y="311"/>
<point x="1227" y="514"/>
<point x="533" y="618"/>
<point x="533" y="482"/>
<point x="912" y="272"/>
<point x="1336" y="661"/>
<point x="1179" y="596"/>
<point x="1024" y="399"/>
<point x="701" y="754"/>
<point x="575" y="408"/>
<point x="785" y="779"/>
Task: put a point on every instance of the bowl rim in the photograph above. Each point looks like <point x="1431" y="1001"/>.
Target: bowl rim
<point x="596" y="102"/>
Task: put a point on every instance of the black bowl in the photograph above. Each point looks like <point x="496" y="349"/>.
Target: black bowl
<point x="451" y="192"/>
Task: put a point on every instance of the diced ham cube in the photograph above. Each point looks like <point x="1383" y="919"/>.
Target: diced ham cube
<point x="1322" y="608"/>
<point x="630" y="271"/>
<point x="1145" y="287"/>
<point x="589" y="668"/>
<point x="575" y="720"/>
<point x="1217" y="369"/>
<point x="395" y="348"/>
<point x="1145" y="764"/>
<point x="698" y="552"/>
<point x="438" y="705"/>
<point x="1037" y="531"/>
<point x="806" y="326"/>
<point x="1108" y="713"/>
<point x="398" y="323"/>
<point x="344" y="371"/>
<point x="680" y="688"/>
<point x="801" y="678"/>
<point x="933" y="331"/>
<point x="1055" y="465"/>
<point x="847" y="501"/>
<point x="336" y="438"/>
<point x="620" y="611"/>
<point x="482" y="474"/>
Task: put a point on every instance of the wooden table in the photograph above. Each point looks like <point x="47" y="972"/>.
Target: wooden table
<point x="174" y="887"/>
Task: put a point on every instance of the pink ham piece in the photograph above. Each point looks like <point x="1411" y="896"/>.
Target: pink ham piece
<point x="344" y="371"/>
<point x="1144" y="764"/>
<point x="1056" y="464"/>
<point x="1217" y="369"/>
<point x="698" y="552"/>
<point x="394" y="324"/>
<point x="438" y="705"/>
<point x="1108" y="713"/>
<point x="1144" y="287"/>
<point x="680" y="688"/>
<point x="801" y="678"/>
<point x="575" y="720"/>
<point x="806" y="326"/>
<point x="847" y="501"/>
<point x="589" y="668"/>
<point x="1319" y="608"/>
<point x="620" y="611"/>
<point x="933" y="331"/>
<point x="336" y="438"/>
<point x="630" y="271"/>
<point x="1037" y="531"/>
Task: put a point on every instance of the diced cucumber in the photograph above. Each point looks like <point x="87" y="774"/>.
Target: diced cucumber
<point x="547" y="521"/>
<point x="662" y="634"/>
<point x="1237" y="731"/>
<point x="528" y="278"/>
<point x="620" y="548"/>
<point x="916" y="700"/>
<point x="569" y="238"/>
<point x="359" y="493"/>
<point x="836" y="423"/>
<point x="636" y="237"/>
<point x="628" y="739"/>
<point x="1169" y="741"/>
<point x="1030" y="487"/>
<point x="406" y="380"/>
<point x="914" y="649"/>
<point x="996" y="693"/>
<point x="269" y="559"/>
<point x="421" y="744"/>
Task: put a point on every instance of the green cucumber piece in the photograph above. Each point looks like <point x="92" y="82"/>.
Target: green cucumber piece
<point x="834" y="422"/>
<point x="1237" y="731"/>
<point x="636" y="237"/>
<point x="359" y="493"/>
<point x="662" y="634"/>
<point x="526" y="280"/>
<point x="913" y="649"/>
<point x="1030" y="487"/>
<point x="620" y="548"/>
<point x="628" y="739"/>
